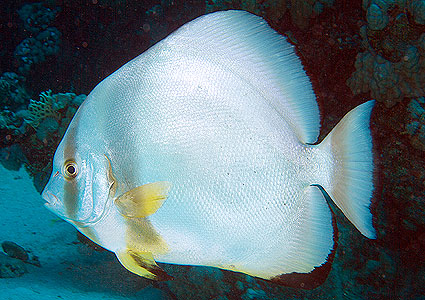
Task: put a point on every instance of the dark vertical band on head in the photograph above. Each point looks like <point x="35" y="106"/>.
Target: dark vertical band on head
<point x="70" y="185"/>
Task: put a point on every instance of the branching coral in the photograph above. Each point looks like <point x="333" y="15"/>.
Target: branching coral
<point x="52" y="113"/>
<point x="41" y="109"/>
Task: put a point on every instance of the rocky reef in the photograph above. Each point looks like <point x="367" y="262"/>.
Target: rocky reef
<point x="392" y="65"/>
<point x="416" y="126"/>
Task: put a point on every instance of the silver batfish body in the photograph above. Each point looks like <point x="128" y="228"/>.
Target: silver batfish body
<point x="200" y="152"/>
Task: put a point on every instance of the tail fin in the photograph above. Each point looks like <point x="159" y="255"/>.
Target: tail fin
<point x="350" y="145"/>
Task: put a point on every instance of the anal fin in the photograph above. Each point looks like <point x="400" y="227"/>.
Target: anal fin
<point x="308" y="263"/>
<point x="142" y="264"/>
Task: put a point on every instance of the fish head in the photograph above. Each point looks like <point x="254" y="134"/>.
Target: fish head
<point x="81" y="186"/>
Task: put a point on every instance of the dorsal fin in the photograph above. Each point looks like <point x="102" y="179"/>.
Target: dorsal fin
<point x="248" y="47"/>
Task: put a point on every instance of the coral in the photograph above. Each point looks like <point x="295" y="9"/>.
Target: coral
<point x="62" y="100"/>
<point x="76" y="101"/>
<point x="41" y="109"/>
<point x="52" y="113"/>
<point x="46" y="128"/>
<point x="389" y="82"/>
<point x="393" y="64"/>
<point x="254" y="294"/>
<point x="12" y="91"/>
<point x="381" y="11"/>
<point x="417" y="9"/>
<point x="44" y="40"/>
<point x="37" y="17"/>
<point x="34" y="50"/>
<point x="376" y="14"/>
<point x="9" y="120"/>
<point x="4" y="87"/>
<point x="37" y="130"/>
<point x="4" y="120"/>
<point x="28" y="52"/>
<point x="416" y="126"/>
<point x="50" y="40"/>
<point x="248" y="288"/>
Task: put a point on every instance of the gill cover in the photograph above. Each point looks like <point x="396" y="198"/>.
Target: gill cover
<point x="75" y="192"/>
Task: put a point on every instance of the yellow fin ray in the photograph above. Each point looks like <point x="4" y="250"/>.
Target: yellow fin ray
<point x="144" y="200"/>
<point x="142" y="264"/>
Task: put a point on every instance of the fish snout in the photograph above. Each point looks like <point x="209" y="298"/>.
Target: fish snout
<point x="50" y="199"/>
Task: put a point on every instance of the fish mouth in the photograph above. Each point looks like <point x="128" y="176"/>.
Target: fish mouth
<point x="50" y="199"/>
<point x="52" y="203"/>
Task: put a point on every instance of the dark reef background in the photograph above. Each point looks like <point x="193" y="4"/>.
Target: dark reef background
<point x="53" y="53"/>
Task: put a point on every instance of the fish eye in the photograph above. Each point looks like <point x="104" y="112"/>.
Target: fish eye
<point x="70" y="169"/>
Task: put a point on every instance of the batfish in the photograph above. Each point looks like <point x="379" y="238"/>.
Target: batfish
<point x="203" y="151"/>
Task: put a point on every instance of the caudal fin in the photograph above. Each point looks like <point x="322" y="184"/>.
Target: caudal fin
<point x="351" y="185"/>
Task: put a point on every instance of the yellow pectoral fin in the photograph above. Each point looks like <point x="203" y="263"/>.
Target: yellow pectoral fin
<point x="144" y="200"/>
<point x="142" y="264"/>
